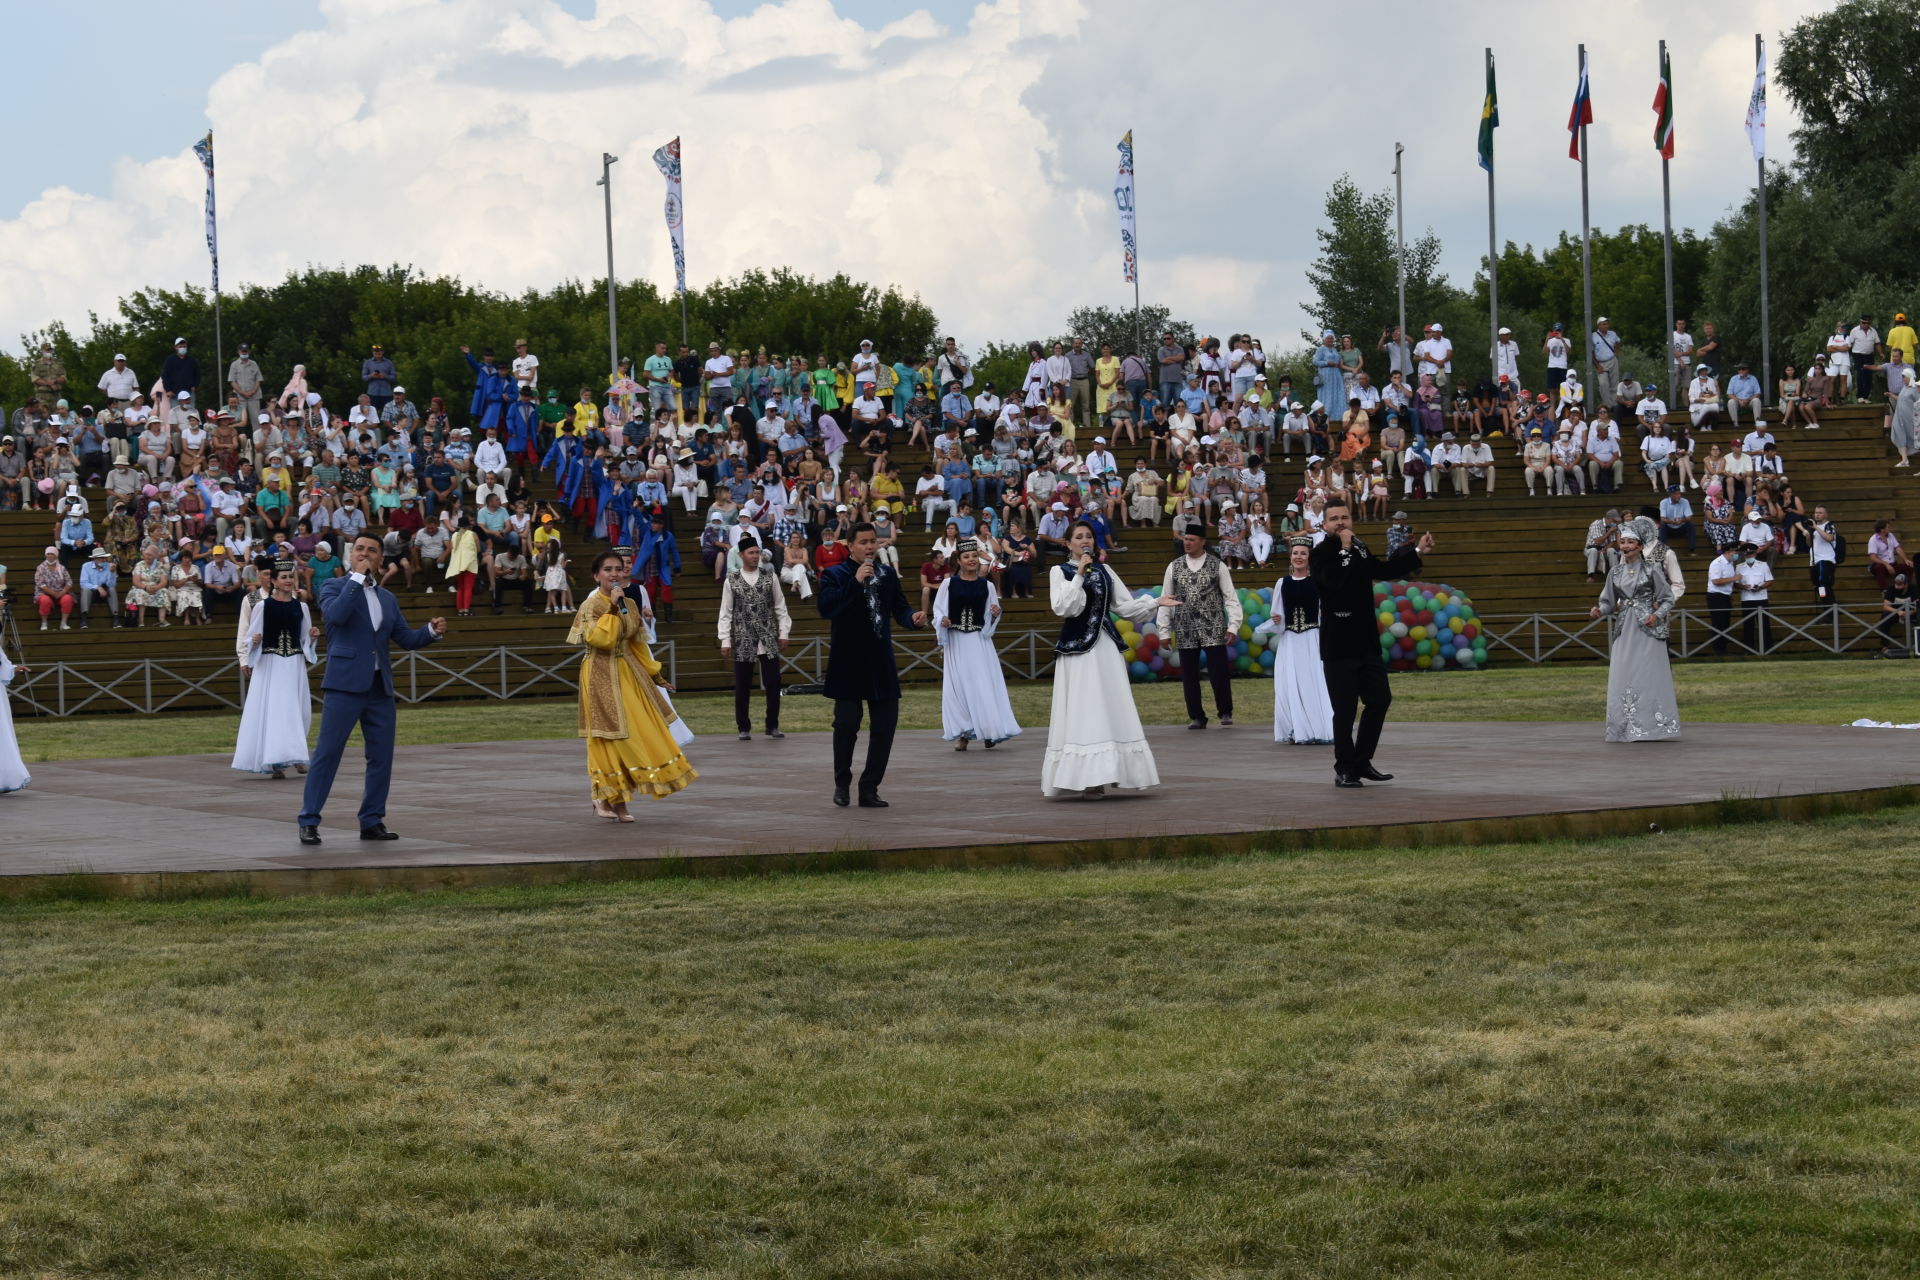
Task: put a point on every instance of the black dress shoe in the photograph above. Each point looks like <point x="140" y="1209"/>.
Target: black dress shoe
<point x="378" y="831"/>
<point x="1226" y="720"/>
<point x="840" y="797"/>
<point x="775" y="733"/>
<point x="1347" y="779"/>
<point x="309" y="835"/>
<point x="1372" y="774"/>
<point x="872" y="800"/>
<point x="1196" y="724"/>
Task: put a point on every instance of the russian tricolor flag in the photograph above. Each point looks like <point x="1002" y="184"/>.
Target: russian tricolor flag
<point x="1582" y="112"/>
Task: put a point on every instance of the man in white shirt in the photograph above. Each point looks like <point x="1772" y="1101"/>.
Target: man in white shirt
<point x="1754" y="578"/>
<point x="489" y="487"/>
<point x="718" y="372"/>
<point x="754" y="626"/>
<point x="1444" y="460"/>
<point x="1863" y="340"/>
<point x="1606" y="468"/>
<point x="1823" y="553"/>
<point x="1680" y="345"/>
<point x="1557" y="349"/>
<point x="526" y="365"/>
<point x="987" y="404"/>
<point x="1476" y="463"/>
<point x="1293" y="430"/>
<point x="1507" y="357"/>
<point x="119" y="384"/>
<point x="867" y="410"/>
<point x="1568" y="455"/>
<point x="1757" y="534"/>
<point x="1722" y="575"/>
<point x="1606" y="358"/>
<point x="1100" y="462"/>
<point x="1199" y="580"/>
<point x="1756" y="441"/>
<point x="1650" y="410"/>
<point x="1602" y="547"/>
<point x="930" y="491"/>
<point x="1435" y="355"/>
<point x="491" y="455"/>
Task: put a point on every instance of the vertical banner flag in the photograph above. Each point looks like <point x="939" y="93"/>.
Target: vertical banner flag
<point x="1757" y="107"/>
<point x="1582" y="112"/>
<point x="668" y="160"/>
<point x="204" y="149"/>
<point x="1663" y="109"/>
<point x="1123" y="196"/>
<point x="1489" y="121"/>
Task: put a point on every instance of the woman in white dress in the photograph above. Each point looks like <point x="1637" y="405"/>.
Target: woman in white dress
<point x="279" y="707"/>
<point x="1095" y="740"/>
<point x="973" y="689"/>
<point x="13" y="770"/>
<point x="1302" y="712"/>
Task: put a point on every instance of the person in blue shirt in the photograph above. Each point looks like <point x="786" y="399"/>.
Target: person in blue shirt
<point x="964" y="520"/>
<point x="1194" y="397"/>
<point x="659" y="370"/>
<point x="959" y="477"/>
<point x="99" y="577"/>
<point x="1676" y="517"/>
<point x="656" y="562"/>
<point x="76" y="539"/>
<point x="492" y="389"/>
<point x="523" y="424"/>
<point x="1744" y="389"/>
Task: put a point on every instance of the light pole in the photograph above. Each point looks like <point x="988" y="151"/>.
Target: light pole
<point x="1400" y="236"/>
<point x="613" y="320"/>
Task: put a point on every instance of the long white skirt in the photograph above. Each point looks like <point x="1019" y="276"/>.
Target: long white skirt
<point x="277" y="716"/>
<point x="1095" y="739"/>
<point x="973" y="691"/>
<point x="13" y="770"/>
<point x="1302" y="712"/>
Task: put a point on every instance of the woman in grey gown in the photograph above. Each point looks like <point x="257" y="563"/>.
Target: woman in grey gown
<point x="1903" y="427"/>
<point x="1638" y="599"/>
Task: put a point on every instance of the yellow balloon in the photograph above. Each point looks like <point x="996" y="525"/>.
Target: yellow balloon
<point x="1416" y="633"/>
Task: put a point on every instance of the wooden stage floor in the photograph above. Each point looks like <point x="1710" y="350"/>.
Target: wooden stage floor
<point x="516" y="812"/>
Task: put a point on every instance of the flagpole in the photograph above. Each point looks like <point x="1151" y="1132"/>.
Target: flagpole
<point x="1586" y="252"/>
<point x="1493" y="264"/>
<point x="1400" y="238"/>
<point x="613" y="320"/>
<point x="1766" y="354"/>
<point x="1666" y="228"/>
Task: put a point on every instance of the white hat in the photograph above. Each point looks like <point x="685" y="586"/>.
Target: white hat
<point x="1295" y="406"/>
<point x="1058" y="506"/>
<point x="119" y="355"/>
<point x="313" y="397"/>
<point x="179" y="342"/>
<point x="1313" y="458"/>
<point x="1504" y="329"/>
<point x="841" y="507"/>
<point x="1099" y="439"/>
<point x="1438" y="329"/>
<point x="266" y="417"/>
<point x="1318" y="405"/>
<point x="324" y="548"/>
<point x="1259" y="377"/>
<point x="399" y="391"/>
<point x="1601" y="320"/>
<point x="1228" y="503"/>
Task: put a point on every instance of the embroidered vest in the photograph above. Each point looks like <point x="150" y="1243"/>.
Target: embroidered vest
<point x="967" y="604"/>
<point x="1078" y="633"/>
<point x="755" y="628"/>
<point x="1200" y="619"/>
<point x="1300" y="603"/>
<point x="280" y="627"/>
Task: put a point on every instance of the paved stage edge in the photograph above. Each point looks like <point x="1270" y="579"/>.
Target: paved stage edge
<point x="1578" y="824"/>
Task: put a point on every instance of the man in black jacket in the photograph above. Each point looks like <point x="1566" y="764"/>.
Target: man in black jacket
<point x="1350" y="638"/>
<point x="859" y="597"/>
<point x="180" y="372"/>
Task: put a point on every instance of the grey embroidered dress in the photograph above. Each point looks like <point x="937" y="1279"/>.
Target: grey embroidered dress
<point x="1640" y="702"/>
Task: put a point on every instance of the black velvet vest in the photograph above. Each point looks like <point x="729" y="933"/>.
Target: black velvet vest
<point x="1078" y="633"/>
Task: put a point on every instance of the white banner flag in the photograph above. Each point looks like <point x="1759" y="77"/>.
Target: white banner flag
<point x="1123" y="196"/>
<point x="668" y="160"/>
<point x="204" y="149"/>
<point x="1757" y="106"/>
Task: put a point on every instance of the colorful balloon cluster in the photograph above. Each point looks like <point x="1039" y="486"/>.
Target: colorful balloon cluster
<point x="1149" y="659"/>
<point x="1426" y="626"/>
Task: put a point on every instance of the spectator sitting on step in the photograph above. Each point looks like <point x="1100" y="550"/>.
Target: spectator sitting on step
<point x="1676" y="517"/>
<point x="1885" y="556"/>
<point x="1703" y="400"/>
<point x="53" y="588"/>
<point x="1757" y="533"/>
<point x="1602" y="548"/>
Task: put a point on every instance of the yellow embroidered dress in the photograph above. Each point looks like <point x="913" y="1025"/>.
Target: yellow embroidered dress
<point x="623" y="715"/>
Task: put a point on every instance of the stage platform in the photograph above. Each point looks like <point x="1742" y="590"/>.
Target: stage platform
<point x="516" y="812"/>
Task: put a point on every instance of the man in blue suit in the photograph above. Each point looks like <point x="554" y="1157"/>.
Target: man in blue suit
<point x="362" y="618"/>
<point x="862" y="598"/>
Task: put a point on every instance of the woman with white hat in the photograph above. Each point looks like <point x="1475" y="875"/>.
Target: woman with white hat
<point x="1637" y="599"/>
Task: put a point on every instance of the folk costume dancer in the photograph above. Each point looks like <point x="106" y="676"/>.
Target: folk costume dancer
<point x="624" y="714"/>
<point x="1206" y="622"/>
<point x="973" y="689"/>
<point x="1302" y="712"/>
<point x="754" y="625"/>
<point x="278" y="713"/>
<point x="1638" y="600"/>
<point x="13" y="770"/>
<point x="1094" y="738"/>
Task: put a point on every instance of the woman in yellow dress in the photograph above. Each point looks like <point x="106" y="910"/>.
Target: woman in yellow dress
<point x="1106" y="381"/>
<point x="623" y="715"/>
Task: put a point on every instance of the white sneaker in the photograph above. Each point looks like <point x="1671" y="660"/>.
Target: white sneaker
<point x="43" y="621"/>
<point x="429" y="590"/>
<point x="64" y="626"/>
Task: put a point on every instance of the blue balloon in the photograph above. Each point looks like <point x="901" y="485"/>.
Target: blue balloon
<point x="1138" y="670"/>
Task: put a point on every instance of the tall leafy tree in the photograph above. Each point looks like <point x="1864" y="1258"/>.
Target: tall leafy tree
<point x="1354" y="279"/>
<point x="1853" y="73"/>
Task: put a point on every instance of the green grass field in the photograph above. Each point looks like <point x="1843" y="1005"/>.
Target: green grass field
<point x="1773" y="691"/>
<point x="1688" y="1055"/>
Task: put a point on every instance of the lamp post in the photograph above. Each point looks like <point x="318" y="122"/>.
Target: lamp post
<point x="613" y="320"/>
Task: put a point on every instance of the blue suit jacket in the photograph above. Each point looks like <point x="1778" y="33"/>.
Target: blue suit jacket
<point x="357" y="658"/>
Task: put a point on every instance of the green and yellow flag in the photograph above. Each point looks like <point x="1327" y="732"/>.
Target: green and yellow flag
<point x="1489" y="120"/>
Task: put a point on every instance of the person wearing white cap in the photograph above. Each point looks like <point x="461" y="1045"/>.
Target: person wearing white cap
<point x="180" y="375"/>
<point x="1101" y="466"/>
<point x="1507" y="357"/>
<point x="1094" y="738"/>
<point x="1434" y="354"/>
<point x="1606" y="358"/>
<point x="1050" y="536"/>
<point x="119" y="384"/>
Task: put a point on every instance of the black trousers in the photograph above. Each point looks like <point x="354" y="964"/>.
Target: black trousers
<point x="1720" y="613"/>
<point x="1219" y="674"/>
<point x="883" y="717"/>
<point x="1821" y="571"/>
<point x="1351" y="682"/>
<point x="1753" y="625"/>
<point x="769" y="681"/>
<point x="524" y="585"/>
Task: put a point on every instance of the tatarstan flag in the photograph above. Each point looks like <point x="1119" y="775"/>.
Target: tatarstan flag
<point x="1663" y="109"/>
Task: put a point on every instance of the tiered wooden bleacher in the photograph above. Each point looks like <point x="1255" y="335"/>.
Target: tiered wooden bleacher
<point x="1513" y="555"/>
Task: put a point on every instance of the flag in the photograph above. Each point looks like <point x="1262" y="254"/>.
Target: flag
<point x="1757" y="105"/>
<point x="204" y="149"/>
<point x="667" y="159"/>
<point x="1123" y="196"/>
<point x="1663" y="109"/>
<point x="1582" y="113"/>
<point x="1489" y="121"/>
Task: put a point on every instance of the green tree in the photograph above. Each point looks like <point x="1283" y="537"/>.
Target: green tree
<point x="1853" y="73"/>
<point x="1115" y="327"/>
<point x="1354" y="279"/>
